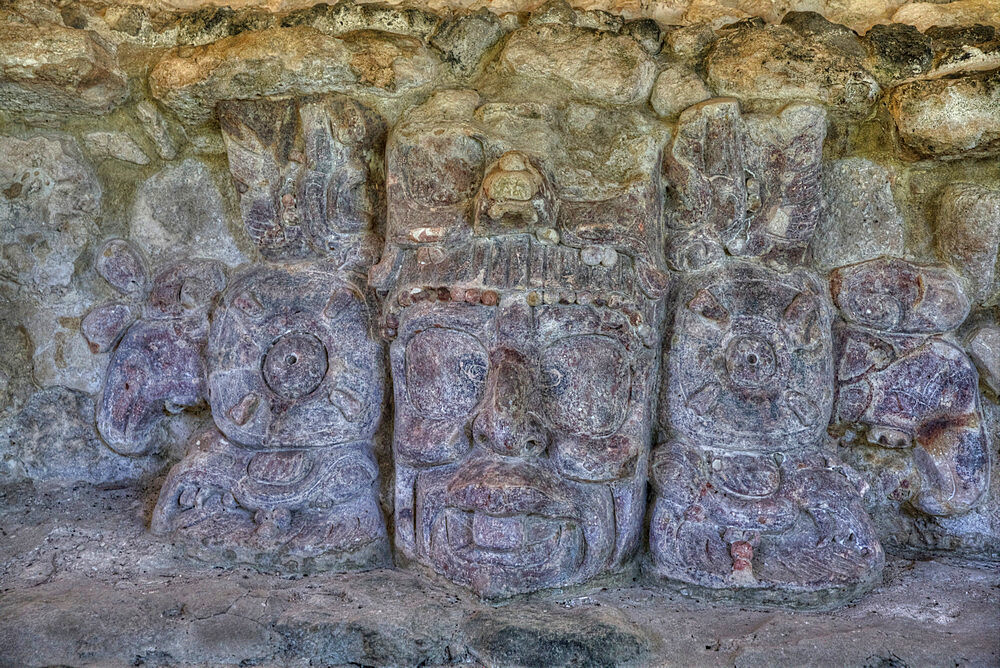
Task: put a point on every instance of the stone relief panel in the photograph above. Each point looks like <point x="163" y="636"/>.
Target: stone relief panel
<point x="286" y="478"/>
<point x="523" y="297"/>
<point x="749" y="497"/>
<point x="909" y="395"/>
<point x="578" y="297"/>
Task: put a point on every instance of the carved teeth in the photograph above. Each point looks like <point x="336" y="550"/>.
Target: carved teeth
<point x="803" y="407"/>
<point x="244" y="409"/>
<point x="707" y="306"/>
<point x="704" y="400"/>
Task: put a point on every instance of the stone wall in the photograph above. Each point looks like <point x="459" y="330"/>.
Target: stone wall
<point x="522" y="298"/>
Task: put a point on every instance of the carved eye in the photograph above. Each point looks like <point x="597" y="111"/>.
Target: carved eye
<point x="586" y="384"/>
<point x="445" y="373"/>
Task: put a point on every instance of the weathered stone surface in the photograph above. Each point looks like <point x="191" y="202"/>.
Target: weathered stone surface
<point x="178" y="214"/>
<point x="898" y="51"/>
<point x="746" y="186"/>
<point x="893" y="295"/>
<point x="53" y="440"/>
<point x="747" y="500"/>
<point x="156" y="129"/>
<point x="85" y="583"/>
<point x="287" y="478"/>
<point x="920" y="399"/>
<point x="465" y="40"/>
<point x="345" y="17"/>
<point x="597" y="66"/>
<point x="964" y="49"/>
<point x="297" y="61"/>
<point x="908" y="407"/>
<point x="45" y="67"/>
<point x="49" y="207"/>
<point x="60" y="355"/>
<point x="924" y="15"/>
<point x="49" y="200"/>
<point x="949" y="118"/>
<point x="780" y="64"/>
<point x="295" y="381"/>
<point x="676" y="89"/>
<point x="323" y="198"/>
<point x="647" y="32"/>
<point x="860" y="219"/>
<point x="528" y="219"/>
<point x="117" y="145"/>
<point x="519" y="449"/>
<point x="984" y="348"/>
<point x="16" y="382"/>
<point x="967" y="233"/>
<point x="157" y="368"/>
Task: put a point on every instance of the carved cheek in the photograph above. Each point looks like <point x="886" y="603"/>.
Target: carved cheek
<point x="443" y="379"/>
<point x="598" y="460"/>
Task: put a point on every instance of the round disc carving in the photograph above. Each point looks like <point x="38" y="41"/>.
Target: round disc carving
<point x="295" y="365"/>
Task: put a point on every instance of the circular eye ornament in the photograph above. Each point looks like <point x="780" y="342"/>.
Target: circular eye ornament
<point x="292" y="360"/>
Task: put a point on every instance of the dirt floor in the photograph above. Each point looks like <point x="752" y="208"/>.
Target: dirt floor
<point x="83" y="583"/>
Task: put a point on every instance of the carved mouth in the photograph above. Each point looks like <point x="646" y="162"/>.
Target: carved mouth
<point x="513" y="541"/>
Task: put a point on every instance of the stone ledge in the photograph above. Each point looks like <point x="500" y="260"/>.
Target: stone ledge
<point x="83" y="584"/>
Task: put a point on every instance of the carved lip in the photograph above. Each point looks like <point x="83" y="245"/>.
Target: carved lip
<point x="514" y="541"/>
<point x="502" y="489"/>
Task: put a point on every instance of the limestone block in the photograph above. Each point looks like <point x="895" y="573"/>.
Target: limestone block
<point x="676" y="89"/>
<point x="949" y="118"/>
<point x="967" y="233"/>
<point x="465" y="40"/>
<point x="860" y="220"/>
<point x="984" y="348"/>
<point x="46" y="67"/>
<point x="780" y="64"/>
<point x="178" y="213"/>
<point x="924" y="15"/>
<point x="598" y="66"/>
<point x="289" y="61"/>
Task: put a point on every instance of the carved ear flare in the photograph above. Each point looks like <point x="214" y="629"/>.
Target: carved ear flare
<point x="707" y="306"/>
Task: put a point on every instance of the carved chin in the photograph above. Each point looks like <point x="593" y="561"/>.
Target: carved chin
<point x="500" y="555"/>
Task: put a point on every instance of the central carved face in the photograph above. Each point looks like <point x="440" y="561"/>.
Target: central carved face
<point x="521" y="440"/>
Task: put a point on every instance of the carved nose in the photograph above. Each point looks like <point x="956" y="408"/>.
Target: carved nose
<point x="506" y="425"/>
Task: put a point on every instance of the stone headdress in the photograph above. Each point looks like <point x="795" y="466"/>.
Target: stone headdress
<point x="562" y="202"/>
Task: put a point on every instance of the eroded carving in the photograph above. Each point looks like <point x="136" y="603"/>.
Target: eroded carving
<point x="158" y="337"/>
<point x="907" y="395"/>
<point x="287" y="477"/>
<point x="747" y="186"/>
<point x="747" y="497"/>
<point x="523" y="300"/>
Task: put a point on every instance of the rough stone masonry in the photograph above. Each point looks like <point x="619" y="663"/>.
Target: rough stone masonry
<point x="540" y="316"/>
